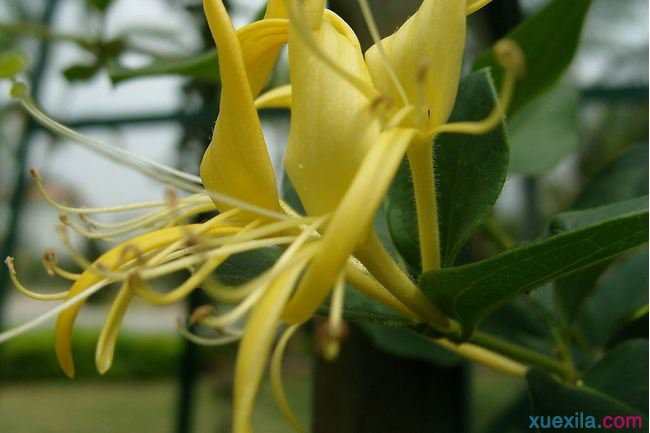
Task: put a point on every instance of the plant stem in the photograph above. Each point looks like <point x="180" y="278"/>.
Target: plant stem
<point x="420" y="156"/>
<point x="483" y="356"/>
<point x="383" y="267"/>
<point x="521" y="354"/>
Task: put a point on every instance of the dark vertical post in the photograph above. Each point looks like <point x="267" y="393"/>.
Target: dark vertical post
<point x="17" y="199"/>
<point x="369" y="391"/>
<point x="195" y="132"/>
<point x="187" y="377"/>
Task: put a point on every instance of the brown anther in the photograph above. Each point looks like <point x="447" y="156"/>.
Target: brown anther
<point x="201" y="313"/>
<point x="135" y="253"/>
<point x="49" y="260"/>
<point x="49" y="256"/>
<point x="171" y="198"/>
<point x="87" y="222"/>
<point x="9" y="261"/>
<point x="34" y="173"/>
<point x="64" y="219"/>
<point x="328" y="340"/>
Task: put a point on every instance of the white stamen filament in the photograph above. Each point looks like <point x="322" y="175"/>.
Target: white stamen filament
<point x="160" y="172"/>
<point x="14" y="332"/>
<point x="9" y="261"/>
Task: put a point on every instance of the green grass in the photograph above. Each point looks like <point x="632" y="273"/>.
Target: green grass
<point x="114" y="407"/>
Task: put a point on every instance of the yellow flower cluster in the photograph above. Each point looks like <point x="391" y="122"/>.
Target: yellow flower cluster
<point x="354" y="117"/>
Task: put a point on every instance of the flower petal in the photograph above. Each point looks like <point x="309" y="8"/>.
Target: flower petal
<point x="280" y="97"/>
<point x="237" y="162"/>
<point x="108" y="337"/>
<point x="110" y="260"/>
<point x="255" y="346"/>
<point x="426" y="53"/>
<point x="260" y="43"/>
<point x="332" y="126"/>
<point x="351" y="223"/>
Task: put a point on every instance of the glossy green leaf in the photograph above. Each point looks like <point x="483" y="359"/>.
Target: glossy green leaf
<point x="549" y="40"/>
<point x="470" y="170"/>
<point x="544" y="132"/>
<point x="202" y="66"/>
<point x="11" y="64"/>
<point x="585" y="407"/>
<point x="470" y="292"/>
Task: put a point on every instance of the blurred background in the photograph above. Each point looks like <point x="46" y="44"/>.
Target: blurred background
<point x="133" y="74"/>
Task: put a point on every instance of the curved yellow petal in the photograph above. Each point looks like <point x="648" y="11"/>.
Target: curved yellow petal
<point x="475" y="5"/>
<point x="255" y="346"/>
<point x="280" y="97"/>
<point x="260" y="43"/>
<point x="351" y="223"/>
<point x="332" y="126"/>
<point x="108" y="337"/>
<point x="110" y="260"/>
<point x="426" y="53"/>
<point x="275" y="9"/>
<point x="237" y="162"/>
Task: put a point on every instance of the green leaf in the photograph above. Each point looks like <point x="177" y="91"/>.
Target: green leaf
<point x="470" y="292"/>
<point x="80" y="72"/>
<point x="582" y="218"/>
<point x="390" y="331"/>
<point x="406" y="343"/>
<point x="571" y="291"/>
<point x="549" y="40"/>
<point x="586" y="406"/>
<point x="622" y="291"/>
<point x="243" y="267"/>
<point x="470" y="170"/>
<point x="544" y="132"/>
<point x="623" y="374"/>
<point x="362" y="309"/>
<point x="625" y="178"/>
<point x="202" y="66"/>
<point x="100" y="5"/>
<point x="12" y="63"/>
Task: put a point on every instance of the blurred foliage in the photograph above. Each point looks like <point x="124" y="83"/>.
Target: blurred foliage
<point x="143" y="356"/>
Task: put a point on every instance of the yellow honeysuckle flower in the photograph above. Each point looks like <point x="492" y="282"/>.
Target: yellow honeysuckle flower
<point x="354" y="119"/>
<point x="240" y="183"/>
